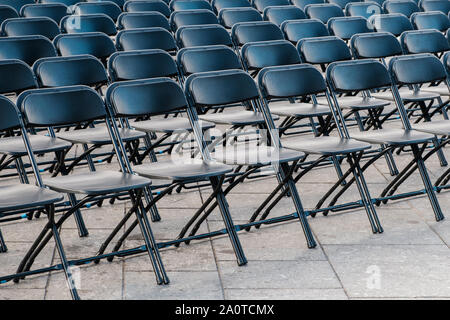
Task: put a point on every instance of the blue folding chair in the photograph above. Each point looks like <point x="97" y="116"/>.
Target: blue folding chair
<point x="68" y="3"/>
<point x="279" y="14"/>
<point x="16" y="4"/>
<point x="7" y="12"/>
<point x="55" y="11"/>
<point x="362" y="9"/>
<point x="179" y="5"/>
<point x="218" y="5"/>
<point x="26" y="48"/>
<point x="324" y="11"/>
<point x="16" y="27"/>
<point x="435" y="5"/>
<point x="303" y="3"/>
<point x="394" y="23"/>
<point x="430" y="20"/>
<point x="192" y="17"/>
<point x="146" y="38"/>
<point x="230" y="16"/>
<point x="346" y="27"/>
<point x="296" y="30"/>
<point x="88" y="23"/>
<point x="145" y="6"/>
<point x="260" y="5"/>
<point x="137" y="20"/>
<point x="244" y="32"/>
<point x="202" y="35"/>
<point x="342" y="3"/>
<point x="406" y="7"/>
<point x="109" y="8"/>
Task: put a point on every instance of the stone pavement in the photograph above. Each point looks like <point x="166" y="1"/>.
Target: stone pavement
<point x="411" y="259"/>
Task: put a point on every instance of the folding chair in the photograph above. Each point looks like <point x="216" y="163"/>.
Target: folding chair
<point x="26" y="48"/>
<point x="394" y="23"/>
<point x="323" y="12"/>
<point x="65" y="2"/>
<point x="430" y="20"/>
<point x="137" y="20"/>
<point x="146" y="38"/>
<point x="97" y="44"/>
<point x="145" y="6"/>
<point x="279" y="14"/>
<point x="16" y="27"/>
<point x="435" y="5"/>
<point x="179" y="5"/>
<point x="88" y="23"/>
<point x="306" y="28"/>
<point x="369" y="75"/>
<point x="362" y="9"/>
<point x="225" y="4"/>
<point x="406" y="7"/>
<point x="7" y="12"/>
<point x="303" y="3"/>
<point x="16" y="4"/>
<point x="55" y="11"/>
<point x="341" y="3"/>
<point x="244" y="32"/>
<point x="109" y="8"/>
<point x="230" y="16"/>
<point x="346" y="27"/>
<point x="19" y="198"/>
<point x="120" y="3"/>
<point x="192" y="17"/>
<point x="380" y="2"/>
<point x="202" y="35"/>
<point x="260" y="5"/>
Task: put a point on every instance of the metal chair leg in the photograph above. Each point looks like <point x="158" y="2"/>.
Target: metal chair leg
<point x="3" y="247"/>
<point x="82" y="230"/>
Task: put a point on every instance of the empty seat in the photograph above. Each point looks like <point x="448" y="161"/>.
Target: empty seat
<point x="229" y="16"/>
<point x="192" y="17"/>
<point x="279" y="14"/>
<point x="394" y="23"/>
<point x="435" y="5"/>
<point x="136" y="20"/>
<point x="424" y="41"/>
<point x="26" y="48"/>
<point x="97" y="44"/>
<point x="88" y="23"/>
<point x="152" y="5"/>
<point x="20" y="77"/>
<point x="223" y="4"/>
<point x="303" y="3"/>
<point x="109" y="8"/>
<point x="342" y="3"/>
<point x="203" y="35"/>
<point x="16" y="4"/>
<point x="7" y="12"/>
<point x="178" y="5"/>
<point x="406" y="7"/>
<point x="30" y="26"/>
<point x="55" y="11"/>
<point x="430" y="20"/>
<point x="260" y="5"/>
<point x="307" y="28"/>
<point x="145" y="38"/>
<point x="120" y="3"/>
<point x="244" y="32"/>
<point x="375" y="45"/>
<point x="363" y="9"/>
<point x="323" y="12"/>
<point x="346" y="27"/>
<point x="65" y="2"/>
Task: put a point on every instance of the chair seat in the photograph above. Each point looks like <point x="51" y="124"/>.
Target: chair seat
<point x="246" y="154"/>
<point x="298" y="110"/>
<point x="408" y="95"/>
<point x="441" y="90"/>
<point x="22" y="196"/>
<point x="184" y="169"/>
<point x="97" y="183"/>
<point x="39" y="144"/>
<point x="239" y="118"/>
<point x="98" y="135"/>
<point x="326" y="145"/>
<point x="393" y="136"/>
<point x="439" y="128"/>
<point x="169" y="125"/>
<point x="362" y="103"/>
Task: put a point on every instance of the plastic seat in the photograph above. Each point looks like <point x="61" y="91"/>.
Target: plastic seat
<point x="346" y="27"/>
<point x="244" y="32"/>
<point x="20" y="77"/>
<point x="97" y="44"/>
<point x="26" y="48"/>
<point x="394" y="23"/>
<point x="226" y="4"/>
<point x="23" y="196"/>
<point x="279" y="14"/>
<point x="202" y="35"/>
<point x="307" y="28"/>
<point x="40" y="144"/>
<point x="406" y="7"/>
<point x="260" y="5"/>
<point x="43" y="26"/>
<point x="68" y="3"/>
<point x="109" y="8"/>
<point x="7" y="12"/>
<point x="376" y="45"/>
<point x="136" y="20"/>
<point x="230" y="16"/>
<point x="88" y="23"/>
<point x="423" y="41"/>
<point x="341" y="3"/>
<point x="55" y="11"/>
<point x="97" y="136"/>
<point x="430" y="20"/>
<point x="145" y="6"/>
<point x="16" y="4"/>
<point x="145" y="38"/>
<point x="120" y="3"/>
<point x="303" y="3"/>
<point x="192" y="17"/>
<point x="362" y="9"/>
<point x="435" y="5"/>
<point x="179" y="5"/>
<point x="323" y="12"/>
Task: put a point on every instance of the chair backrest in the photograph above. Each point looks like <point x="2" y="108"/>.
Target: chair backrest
<point x="15" y="27"/>
<point x="7" y="12"/>
<point x="260" y="5"/>
<point x="406" y="7"/>
<point x="446" y="62"/>
<point x="16" y="4"/>
<point x="224" y="4"/>
<point x="217" y="88"/>
<point x="416" y="69"/>
<point x="380" y="2"/>
<point x="324" y="11"/>
<point x="109" y="8"/>
<point x="394" y="23"/>
<point x="290" y="81"/>
<point x="60" y="106"/>
<point x="323" y="50"/>
<point x="151" y="5"/>
<point x="88" y="23"/>
<point x="146" y="38"/>
<point x="375" y="45"/>
<point x="192" y="17"/>
<point x="179" y="5"/>
<point x="141" y="64"/>
<point x="435" y="5"/>
<point x="202" y="35"/>
<point x="296" y="30"/>
<point x="424" y="41"/>
<point x="69" y="71"/>
<point x="65" y="2"/>
<point x="145" y="97"/>
<point x="342" y="3"/>
<point x="9" y="117"/>
<point x="229" y="16"/>
<point x="55" y="11"/>
<point x="137" y="20"/>
<point x="257" y="55"/>
<point x="279" y="14"/>
<point x="20" y="76"/>
<point x="26" y="48"/>
<point x="209" y="58"/>
<point x="303" y="3"/>
<point x="244" y="32"/>
<point x="357" y="75"/>
<point x="430" y="20"/>
<point x="120" y="3"/>
<point x="97" y="44"/>
<point x="362" y="9"/>
<point x="346" y="27"/>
